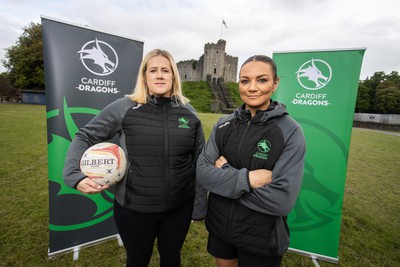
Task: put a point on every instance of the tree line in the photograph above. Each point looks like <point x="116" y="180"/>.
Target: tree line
<point x="24" y="65"/>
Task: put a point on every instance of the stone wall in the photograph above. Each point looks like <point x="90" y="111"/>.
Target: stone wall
<point x="377" y="121"/>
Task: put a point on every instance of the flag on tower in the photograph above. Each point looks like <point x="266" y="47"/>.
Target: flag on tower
<point x="223" y="22"/>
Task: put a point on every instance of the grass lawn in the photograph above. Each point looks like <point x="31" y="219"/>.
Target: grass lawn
<point x="370" y="222"/>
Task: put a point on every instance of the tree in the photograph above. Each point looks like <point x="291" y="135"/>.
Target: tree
<point x="375" y="80"/>
<point x="7" y="91"/>
<point x="24" y="60"/>
<point x="379" y="94"/>
<point x="372" y="83"/>
<point x="387" y="100"/>
<point x="394" y="77"/>
<point x="363" y="104"/>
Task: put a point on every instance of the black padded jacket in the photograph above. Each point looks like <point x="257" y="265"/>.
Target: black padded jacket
<point x="162" y="140"/>
<point x="248" y="218"/>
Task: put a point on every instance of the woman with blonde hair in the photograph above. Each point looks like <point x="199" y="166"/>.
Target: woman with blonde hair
<point x="162" y="138"/>
<point x="141" y="92"/>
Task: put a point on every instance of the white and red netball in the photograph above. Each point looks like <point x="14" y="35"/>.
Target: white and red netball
<point x="105" y="163"/>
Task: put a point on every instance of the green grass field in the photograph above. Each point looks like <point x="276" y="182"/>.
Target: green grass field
<point x="370" y="222"/>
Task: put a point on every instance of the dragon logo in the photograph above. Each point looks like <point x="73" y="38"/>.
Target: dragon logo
<point x="183" y="122"/>
<point x="264" y="146"/>
<point x="314" y="74"/>
<point x="98" y="57"/>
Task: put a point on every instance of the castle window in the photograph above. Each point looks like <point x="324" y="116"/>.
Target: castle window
<point x="215" y="70"/>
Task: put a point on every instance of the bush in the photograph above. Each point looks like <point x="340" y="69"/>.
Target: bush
<point x="199" y="94"/>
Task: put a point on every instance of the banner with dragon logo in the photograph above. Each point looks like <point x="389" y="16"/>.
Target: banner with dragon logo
<point x="85" y="70"/>
<point x="320" y="91"/>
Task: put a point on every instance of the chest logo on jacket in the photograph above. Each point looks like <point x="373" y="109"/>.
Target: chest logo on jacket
<point x="263" y="147"/>
<point x="183" y="123"/>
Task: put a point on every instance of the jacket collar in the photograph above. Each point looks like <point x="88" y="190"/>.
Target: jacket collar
<point x="274" y="110"/>
<point x="161" y="101"/>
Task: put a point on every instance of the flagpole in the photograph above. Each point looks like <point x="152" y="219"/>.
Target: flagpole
<point x="222" y="24"/>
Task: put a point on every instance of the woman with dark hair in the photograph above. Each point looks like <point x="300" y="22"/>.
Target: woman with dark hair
<point x="162" y="138"/>
<point x="253" y="167"/>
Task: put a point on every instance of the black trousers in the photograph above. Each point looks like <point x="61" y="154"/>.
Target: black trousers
<point x="138" y="232"/>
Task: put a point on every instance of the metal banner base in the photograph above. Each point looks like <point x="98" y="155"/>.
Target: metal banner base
<point x="76" y="249"/>
<point x="314" y="256"/>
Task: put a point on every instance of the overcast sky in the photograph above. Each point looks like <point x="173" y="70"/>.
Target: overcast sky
<point x="253" y="26"/>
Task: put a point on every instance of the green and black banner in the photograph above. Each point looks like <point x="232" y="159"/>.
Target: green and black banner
<point x="85" y="70"/>
<point x="320" y="91"/>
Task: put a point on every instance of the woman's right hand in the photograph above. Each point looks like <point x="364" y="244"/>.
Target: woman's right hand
<point x="260" y="178"/>
<point x="88" y="186"/>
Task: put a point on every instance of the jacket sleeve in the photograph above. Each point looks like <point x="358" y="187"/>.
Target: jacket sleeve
<point x="200" y="197"/>
<point x="227" y="181"/>
<point x="279" y="197"/>
<point x="101" y="128"/>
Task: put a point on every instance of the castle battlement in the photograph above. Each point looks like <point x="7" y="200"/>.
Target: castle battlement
<point x="231" y="57"/>
<point x="186" y="61"/>
<point x="219" y="45"/>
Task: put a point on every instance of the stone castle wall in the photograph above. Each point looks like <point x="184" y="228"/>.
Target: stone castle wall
<point x="231" y="67"/>
<point x="189" y="70"/>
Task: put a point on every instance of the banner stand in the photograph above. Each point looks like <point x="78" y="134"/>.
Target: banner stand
<point x="120" y="243"/>
<point x="316" y="264"/>
<point x="76" y="249"/>
<point x="319" y="89"/>
<point x="85" y="70"/>
<point x="314" y="256"/>
<point x="75" y="256"/>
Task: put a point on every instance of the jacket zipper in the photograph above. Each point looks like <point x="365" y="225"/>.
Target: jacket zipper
<point x="239" y="155"/>
<point x="129" y="189"/>
<point x="166" y="141"/>
<point x="232" y="207"/>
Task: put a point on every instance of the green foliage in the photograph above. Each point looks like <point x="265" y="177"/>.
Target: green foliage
<point x="375" y="80"/>
<point x="6" y="87"/>
<point x="234" y="92"/>
<point x="24" y="60"/>
<point x="363" y="103"/>
<point x="387" y="100"/>
<point x="369" y="232"/>
<point x="379" y="94"/>
<point x="199" y="94"/>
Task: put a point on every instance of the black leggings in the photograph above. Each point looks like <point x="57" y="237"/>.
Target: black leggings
<point x="139" y="230"/>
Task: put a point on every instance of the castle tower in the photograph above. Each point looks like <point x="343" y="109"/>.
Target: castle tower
<point x="214" y="60"/>
<point x="213" y="64"/>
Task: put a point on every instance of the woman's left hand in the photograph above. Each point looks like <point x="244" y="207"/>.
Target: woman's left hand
<point x="220" y="162"/>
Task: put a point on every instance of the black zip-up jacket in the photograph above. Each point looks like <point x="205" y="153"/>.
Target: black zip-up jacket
<point x="162" y="140"/>
<point x="253" y="219"/>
